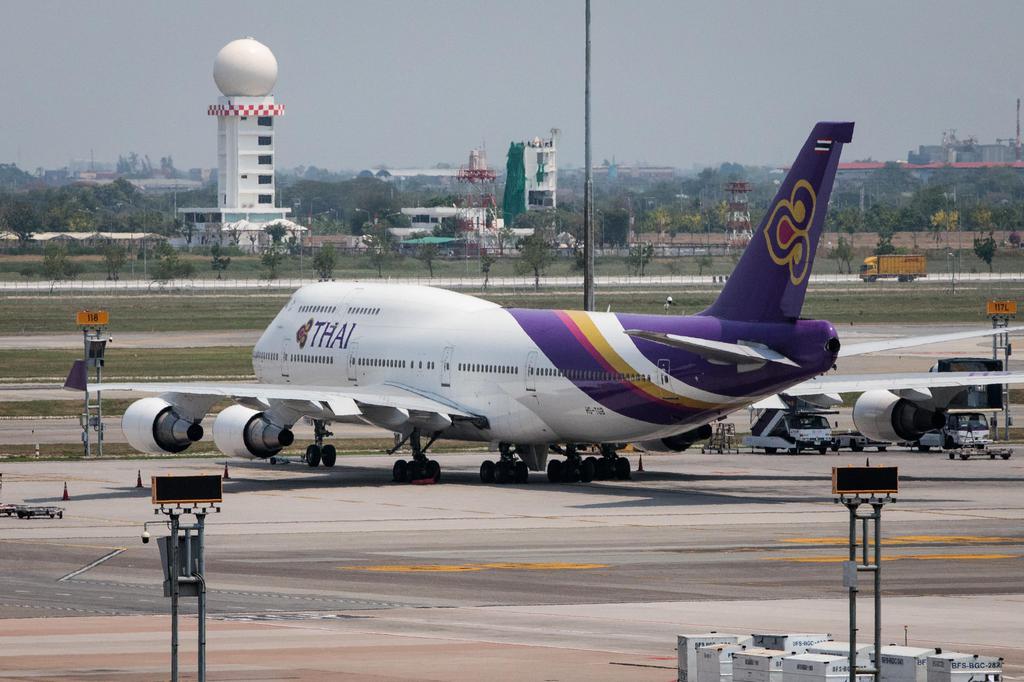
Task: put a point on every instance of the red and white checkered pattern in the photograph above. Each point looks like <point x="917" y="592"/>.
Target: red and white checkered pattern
<point x="245" y="110"/>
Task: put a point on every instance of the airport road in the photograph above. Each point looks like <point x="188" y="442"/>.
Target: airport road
<point x="336" y="572"/>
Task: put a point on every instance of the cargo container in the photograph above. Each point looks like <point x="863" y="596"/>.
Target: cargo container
<point x="687" y="646"/>
<point x="818" y="668"/>
<point x="793" y="643"/>
<point x="714" y="662"/>
<point x="758" y="664"/>
<point x="904" y="663"/>
<point x="952" y="666"/>
<point x="901" y="268"/>
<point x="864" y="651"/>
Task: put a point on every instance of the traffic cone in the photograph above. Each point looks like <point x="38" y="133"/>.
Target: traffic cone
<point x="640" y="464"/>
<point x="66" y="497"/>
<point x="138" y="481"/>
<point x="227" y="476"/>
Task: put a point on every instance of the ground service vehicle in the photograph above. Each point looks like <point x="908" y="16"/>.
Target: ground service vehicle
<point x="791" y="431"/>
<point x="900" y="268"/>
<point x="961" y="430"/>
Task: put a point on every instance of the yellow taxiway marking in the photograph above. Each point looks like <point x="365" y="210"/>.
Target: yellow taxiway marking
<point x="915" y="557"/>
<point x="913" y="539"/>
<point x="457" y="568"/>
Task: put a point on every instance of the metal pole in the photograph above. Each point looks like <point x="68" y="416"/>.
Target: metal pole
<point x="588" y="187"/>
<point x="99" y="402"/>
<point x="175" y="571"/>
<point x="853" y="592"/>
<point x="878" y="589"/>
<point x="201" y="563"/>
<point x="85" y="413"/>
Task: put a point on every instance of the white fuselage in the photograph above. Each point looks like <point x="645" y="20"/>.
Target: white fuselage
<point x="463" y="351"/>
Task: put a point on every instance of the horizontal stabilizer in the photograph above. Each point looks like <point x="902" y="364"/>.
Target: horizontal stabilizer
<point x="912" y="341"/>
<point x="734" y="353"/>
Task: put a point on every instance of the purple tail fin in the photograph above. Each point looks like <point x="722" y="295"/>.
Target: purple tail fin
<point x="770" y="279"/>
<point x="78" y="377"/>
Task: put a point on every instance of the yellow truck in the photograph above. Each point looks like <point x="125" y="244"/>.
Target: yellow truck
<point x="900" y="268"/>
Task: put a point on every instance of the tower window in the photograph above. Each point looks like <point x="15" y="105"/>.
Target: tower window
<point x="265" y="121"/>
<point x="266" y="198"/>
<point x="265" y="140"/>
<point x="266" y="179"/>
<point x="265" y="159"/>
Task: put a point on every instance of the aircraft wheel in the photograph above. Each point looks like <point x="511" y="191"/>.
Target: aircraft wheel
<point x="398" y="470"/>
<point x="622" y="469"/>
<point x="487" y="471"/>
<point x="952" y="456"/>
<point x="604" y="469"/>
<point x="770" y="451"/>
<point x="587" y="470"/>
<point x="313" y="456"/>
<point x="822" y="449"/>
<point x="924" y="448"/>
<point x="882" y="448"/>
<point x="502" y="472"/>
<point x="433" y="470"/>
<point x="992" y="456"/>
<point x="554" y="471"/>
<point x="570" y="472"/>
<point x="328" y="455"/>
<point x="521" y="472"/>
<point x="856" y="447"/>
<point x="964" y="455"/>
<point x="1005" y="455"/>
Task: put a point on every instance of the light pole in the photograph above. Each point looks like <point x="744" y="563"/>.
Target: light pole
<point x="588" y="185"/>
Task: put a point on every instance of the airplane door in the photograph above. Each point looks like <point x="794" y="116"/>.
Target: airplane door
<point x="285" y="365"/>
<point x="664" y="366"/>
<point x="446" y="366"/>
<point x="531" y="379"/>
<point x="353" y="350"/>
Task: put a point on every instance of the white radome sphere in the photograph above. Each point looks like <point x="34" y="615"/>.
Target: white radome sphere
<point x="245" y="68"/>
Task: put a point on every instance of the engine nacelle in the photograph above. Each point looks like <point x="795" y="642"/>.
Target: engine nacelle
<point x="241" y="432"/>
<point x="883" y="415"/>
<point x="152" y="425"/>
<point x="678" y="442"/>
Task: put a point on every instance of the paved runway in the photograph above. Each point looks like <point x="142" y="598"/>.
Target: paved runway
<point x="338" y="572"/>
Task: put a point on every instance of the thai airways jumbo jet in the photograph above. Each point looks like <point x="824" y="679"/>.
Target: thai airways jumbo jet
<point x="426" y="363"/>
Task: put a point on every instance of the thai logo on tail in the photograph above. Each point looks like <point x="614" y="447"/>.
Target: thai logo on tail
<point x="788" y="228"/>
<point x="303" y="333"/>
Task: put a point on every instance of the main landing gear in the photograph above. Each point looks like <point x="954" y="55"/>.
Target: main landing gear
<point x="318" y="453"/>
<point x="419" y="468"/>
<point x="507" y="469"/>
<point x="577" y="468"/>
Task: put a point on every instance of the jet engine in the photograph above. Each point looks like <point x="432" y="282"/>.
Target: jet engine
<point x="153" y="425"/>
<point x="241" y="432"/>
<point x="678" y="442"/>
<point x="883" y="415"/>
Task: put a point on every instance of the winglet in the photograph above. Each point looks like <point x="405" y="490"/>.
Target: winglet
<point x="78" y="377"/>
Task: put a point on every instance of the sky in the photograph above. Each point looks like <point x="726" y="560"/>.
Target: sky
<point x="413" y="83"/>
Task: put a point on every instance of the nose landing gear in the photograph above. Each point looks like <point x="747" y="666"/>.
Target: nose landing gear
<point x="318" y="453"/>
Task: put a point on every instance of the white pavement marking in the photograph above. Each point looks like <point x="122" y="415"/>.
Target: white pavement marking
<point x="94" y="564"/>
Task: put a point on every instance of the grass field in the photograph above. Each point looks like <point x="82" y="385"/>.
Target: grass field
<point x="920" y="302"/>
<point x="215" y="361"/>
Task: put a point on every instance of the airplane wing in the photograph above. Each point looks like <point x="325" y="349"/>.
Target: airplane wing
<point x="911" y="341"/>
<point x="348" y="402"/>
<point x="825" y="390"/>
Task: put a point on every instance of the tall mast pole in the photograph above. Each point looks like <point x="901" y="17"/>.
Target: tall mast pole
<point x="588" y="189"/>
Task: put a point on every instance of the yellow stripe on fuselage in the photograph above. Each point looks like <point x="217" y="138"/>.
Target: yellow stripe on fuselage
<point x="596" y="338"/>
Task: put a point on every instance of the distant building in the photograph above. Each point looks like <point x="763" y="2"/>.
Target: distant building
<point x="245" y="72"/>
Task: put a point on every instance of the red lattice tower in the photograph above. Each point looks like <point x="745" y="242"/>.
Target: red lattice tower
<point x="480" y="178"/>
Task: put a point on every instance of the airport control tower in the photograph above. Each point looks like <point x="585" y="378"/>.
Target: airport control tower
<point x="245" y="71"/>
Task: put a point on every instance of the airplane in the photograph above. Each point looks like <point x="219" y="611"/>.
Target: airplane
<point x="425" y="362"/>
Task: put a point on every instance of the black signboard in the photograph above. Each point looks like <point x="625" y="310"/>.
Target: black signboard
<point x="187" y="489"/>
<point x="865" y="480"/>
